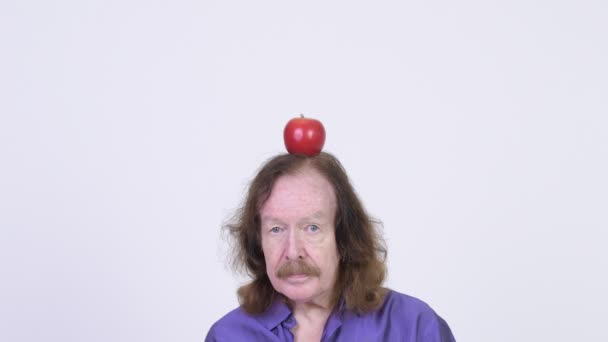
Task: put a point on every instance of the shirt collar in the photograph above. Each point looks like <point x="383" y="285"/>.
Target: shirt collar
<point x="335" y="319"/>
<point x="279" y="312"/>
<point x="275" y="315"/>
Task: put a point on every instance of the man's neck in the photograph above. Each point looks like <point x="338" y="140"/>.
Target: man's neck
<point x="311" y="311"/>
<point x="311" y="319"/>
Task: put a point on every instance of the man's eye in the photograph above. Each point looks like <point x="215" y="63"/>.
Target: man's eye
<point x="275" y="230"/>
<point x="313" y="228"/>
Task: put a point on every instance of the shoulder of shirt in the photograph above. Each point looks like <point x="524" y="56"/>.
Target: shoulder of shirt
<point x="410" y="310"/>
<point x="415" y="311"/>
<point x="396" y="302"/>
<point x="231" y="325"/>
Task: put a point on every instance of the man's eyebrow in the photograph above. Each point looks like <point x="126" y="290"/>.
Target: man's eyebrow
<point x="318" y="215"/>
<point x="270" y="219"/>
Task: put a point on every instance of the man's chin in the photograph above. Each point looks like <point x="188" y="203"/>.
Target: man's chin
<point x="298" y="297"/>
<point x="297" y="288"/>
<point x="305" y="295"/>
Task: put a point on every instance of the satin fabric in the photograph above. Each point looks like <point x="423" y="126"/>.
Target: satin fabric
<point x="401" y="318"/>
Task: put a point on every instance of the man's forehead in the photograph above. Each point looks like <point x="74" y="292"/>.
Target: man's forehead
<point x="306" y="191"/>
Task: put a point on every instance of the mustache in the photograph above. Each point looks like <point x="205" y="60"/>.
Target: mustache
<point x="298" y="267"/>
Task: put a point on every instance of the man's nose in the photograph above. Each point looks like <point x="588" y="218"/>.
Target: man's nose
<point x="294" y="245"/>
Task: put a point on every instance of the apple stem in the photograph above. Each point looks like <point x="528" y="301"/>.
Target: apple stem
<point x="302" y="115"/>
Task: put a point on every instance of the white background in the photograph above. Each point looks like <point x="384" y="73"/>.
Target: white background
<point x="475" y="130"/>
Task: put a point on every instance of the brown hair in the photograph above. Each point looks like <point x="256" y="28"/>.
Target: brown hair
<point x="362" y="251"/>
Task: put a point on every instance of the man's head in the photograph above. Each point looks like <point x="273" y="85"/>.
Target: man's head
<point x="303" y="233"/>
<point x="298" y="236"/>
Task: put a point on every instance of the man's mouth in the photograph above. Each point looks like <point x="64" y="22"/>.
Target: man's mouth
<point x="297" y="278"/>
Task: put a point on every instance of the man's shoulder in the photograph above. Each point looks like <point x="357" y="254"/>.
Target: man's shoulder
<point x="233" y="325"/>
<point x="239" y="325"/>
<point x="235" y="316"/>
<point x="415" y="313"/>
<point x="400" y="302"/>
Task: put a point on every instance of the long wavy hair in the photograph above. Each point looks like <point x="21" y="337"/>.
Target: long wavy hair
<point x="362" y="250"/>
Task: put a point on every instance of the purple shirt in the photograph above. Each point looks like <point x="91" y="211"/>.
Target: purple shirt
<point x="401" y="318"/>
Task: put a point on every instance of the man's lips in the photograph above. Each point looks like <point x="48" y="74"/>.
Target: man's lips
<point x="299" y="275"/>
<point x="296" y="278"/>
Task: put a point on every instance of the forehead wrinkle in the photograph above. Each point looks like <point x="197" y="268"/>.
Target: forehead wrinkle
<point x="306" y="193"/>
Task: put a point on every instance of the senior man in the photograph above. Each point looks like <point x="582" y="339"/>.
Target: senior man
<point x="317" y="263"/>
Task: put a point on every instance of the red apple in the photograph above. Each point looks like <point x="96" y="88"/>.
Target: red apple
<point x="304" y="136"/>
